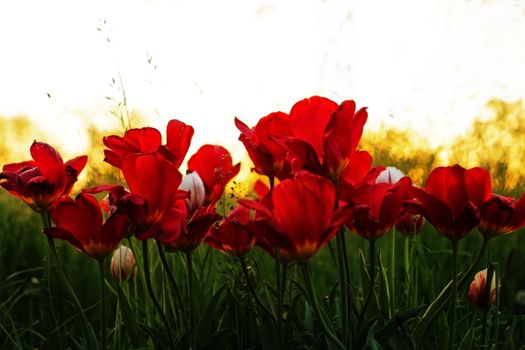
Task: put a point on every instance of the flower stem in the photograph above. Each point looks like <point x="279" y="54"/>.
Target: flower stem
<point x="454" y="294"/>
<point x="372" y="280"/>
<point x="86" y="327"/>
<point x="189" y="265"/>
<point x="252" y="290"/>
<point x="344" y="275"/>
<point x="312" y="299"/>
<point x="393" y="271"/>
<point x="151" y="292"/>
<point x="408" y="276"/>
<point x="102" y="305"/>
<point x="487" y="294"/>
<point x="343" y="266"/>
<point x="173" y="284"/>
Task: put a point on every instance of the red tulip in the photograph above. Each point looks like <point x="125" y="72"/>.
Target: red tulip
<point x="477" y="293"/>
<point x="377" y="207"/>
<point x="409" y="223"/>
<point x="153" y="189"/>
<point x="447" y="200"/>
<point x="215" y="167"/>
<point x="325" y="135"/>
<point x="297" y="217"/>
<point x="40" y="182"/>
<point x="499" y="215"/>
<point x="80" y="222"/>
<point x="233" y="236"/>
<point x="179" y="232"/>
<point x="268" y="157"/>
<point x="148" y="140"/>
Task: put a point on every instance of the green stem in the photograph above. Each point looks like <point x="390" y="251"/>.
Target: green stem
<point x="344" y="275"/>
<point x="372" y="282"/>
<point x="452" y="329"/>
<point x="278" y="273"/>
<point x="152" y="293"/>
<point x="393" y="271"/>
<point x="66" y="285"/>
<point x="252" y="290"/>
<point x="408" y="277"/>
<point x="173" y="283"/>
<point x="281" y="270"/>
<point x="343" y="286"/>
<point x="189" y="265"/>
<point x="487" y="296"/>
<point x="312" y="299"/>
<point x="102" y="305"/>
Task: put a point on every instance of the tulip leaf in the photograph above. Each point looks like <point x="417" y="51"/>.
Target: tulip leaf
<point x="206" y="324"/>
<point x="384" y="291"/>
<point x="132" y="327"/>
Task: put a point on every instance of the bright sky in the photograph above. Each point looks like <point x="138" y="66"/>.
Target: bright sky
<point x="426" y="65"/>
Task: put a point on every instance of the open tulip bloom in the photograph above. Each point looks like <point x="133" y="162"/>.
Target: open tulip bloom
<point x="43" y="180"/>
<point x="149" y="140"/>
<point x="81" y="223"/>
<point x="269" y="157"/>
<point x="325" y="136"/>
<point x="298" y="217"/>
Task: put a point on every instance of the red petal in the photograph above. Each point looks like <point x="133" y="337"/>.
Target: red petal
<point x="448" y="185"/>
<point x="179" y="137"/>
<point x="50" y="164"/>
<point x="477" y="183"/>
<point x="309" y="118"/>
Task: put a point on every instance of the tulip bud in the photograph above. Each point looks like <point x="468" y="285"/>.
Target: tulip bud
<point x="123" y="266"/>
<point x="193" y="184"/>
<point x="390" y="175"/>
<point x="476" y="292"/>
<point x="409" y="224"/>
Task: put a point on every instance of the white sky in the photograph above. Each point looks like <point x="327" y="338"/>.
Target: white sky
<point x="429" y="65"/>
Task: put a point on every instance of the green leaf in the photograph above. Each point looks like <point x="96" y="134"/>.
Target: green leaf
<point x="384" y="291"/>
<point x="131" y="325"/>
<point x="206" y="323"/>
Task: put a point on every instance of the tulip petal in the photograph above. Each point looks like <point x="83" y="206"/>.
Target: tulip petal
<point x="478" y="186"/>
<point x="50" y="164"/>
<point x="179" y="137"/>
<point x="309" y="118"/>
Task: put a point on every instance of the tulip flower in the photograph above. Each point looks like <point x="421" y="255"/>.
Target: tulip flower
<point x="233" y="236"/>
<point x="325" y="135"/>
<point x="298" y="217"/>
<point x="448" y="203"/>
<point x="148" y="140"/>
<point x="269" y="157"/>
<point x="180" y="232"/>
<point x="215" y="167"/>
<point x="153" y="189"/>
<point x="80" y="222"/>
<point x="42" y="181"/>
<point x="123" y="265"/>
<point x="192" y="183"/>
<point x="499" y="215"/>
<point x="477" y="291"/>
<point x="409" y="223"/>
<point x="378" y="206"/>
<point x="448" y="200"/>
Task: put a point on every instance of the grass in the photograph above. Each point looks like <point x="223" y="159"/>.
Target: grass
<point x="226" y="317"/>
